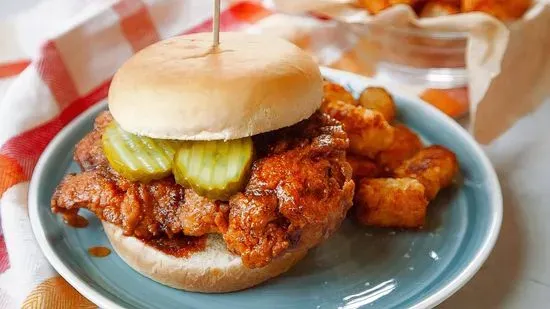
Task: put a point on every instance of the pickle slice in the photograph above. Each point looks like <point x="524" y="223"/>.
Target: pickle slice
<point x="138" y="158"/>
<point x="214" y="169"/>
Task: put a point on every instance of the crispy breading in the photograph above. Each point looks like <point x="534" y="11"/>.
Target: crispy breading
<point x="368" y="131"/>
<point x="363" y="167"/>
<point x="388" y="202"/>
<point x="88" y="152"/>
<point x="434" y="167"/>
<point x="378" y="99"/>
<point x="405" y="144"/>
<point x="298" y="194"/>
<point x="161" y="207"/>
<point x="335" y="92"/>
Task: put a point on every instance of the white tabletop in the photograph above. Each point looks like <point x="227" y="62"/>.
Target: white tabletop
<point x="517" y="274"/>
<point x="10" y="7"/>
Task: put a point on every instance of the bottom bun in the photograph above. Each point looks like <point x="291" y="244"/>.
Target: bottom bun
<point x="212" y="270"/>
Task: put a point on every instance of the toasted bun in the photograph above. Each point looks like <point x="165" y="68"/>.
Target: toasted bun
<point x="213" y="270"/>
<point x="182" y="88"/>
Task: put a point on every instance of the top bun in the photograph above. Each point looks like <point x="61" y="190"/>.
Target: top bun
<point x="182" y="88"/>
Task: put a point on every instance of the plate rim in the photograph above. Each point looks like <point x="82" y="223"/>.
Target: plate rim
<point x="430" y="301"/>
<point x="39" y="230"/>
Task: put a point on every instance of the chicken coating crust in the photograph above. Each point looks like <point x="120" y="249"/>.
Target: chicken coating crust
<point x="388" y="202"/>
<point x="378" y="99"/>
<point x="368" y="131"/>
<point x="405" y="145"/>
<point x="160" y="207"/>
<point x="334" y="92"/>
<point x="89" y="151"/>
<point x="299" y="192"/>
<point x="434" y="166"/>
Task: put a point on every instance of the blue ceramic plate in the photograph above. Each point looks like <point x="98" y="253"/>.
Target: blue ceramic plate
<point x="357" y="267"/>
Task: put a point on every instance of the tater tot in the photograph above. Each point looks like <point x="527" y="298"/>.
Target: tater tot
<point x="405" y="144"/>
<point x="388" y="202"/>
<point x="516" y="8"/>
<point x="376" y="6"/>
<point x="434" y="167"/>
<point x="503" y="10"/>
<point x="335" y="92"/>
<point x="470" y="5"/>
<point x="363" y="167"/>
<point x="486" y="6"/>
<point x="439" y="8"/>
<point x="380" y="100"/>
<point x="496" y="11"/>
<point x="368" y="131"/>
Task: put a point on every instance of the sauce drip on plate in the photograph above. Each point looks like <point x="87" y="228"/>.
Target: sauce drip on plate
<point x="99" y="251"/>
<point x="76" y="221"/>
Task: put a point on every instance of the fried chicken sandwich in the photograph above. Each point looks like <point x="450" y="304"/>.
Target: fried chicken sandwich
<point x="213" y="169"/>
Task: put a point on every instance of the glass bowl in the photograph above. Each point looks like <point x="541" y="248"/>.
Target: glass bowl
<point x="435" y="59"/>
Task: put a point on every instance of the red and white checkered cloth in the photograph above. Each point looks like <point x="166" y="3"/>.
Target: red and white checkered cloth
<point x="76" y="47"/>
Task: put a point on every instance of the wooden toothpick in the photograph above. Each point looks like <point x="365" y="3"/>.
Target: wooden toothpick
<point x="216" y="24"/>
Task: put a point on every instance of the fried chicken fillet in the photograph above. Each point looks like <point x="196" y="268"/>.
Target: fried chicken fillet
<point x="299" y="191"/>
